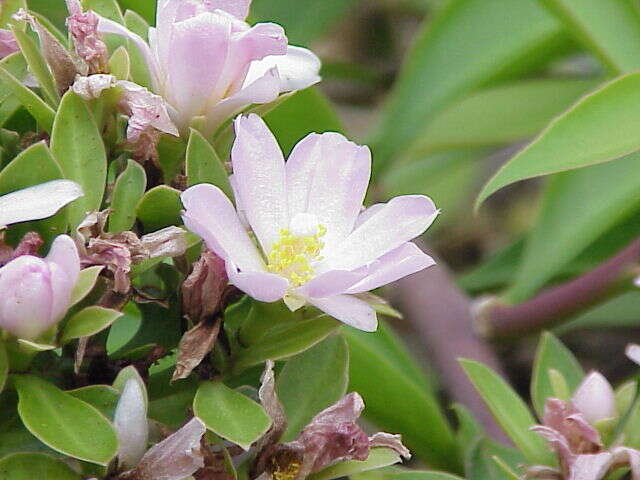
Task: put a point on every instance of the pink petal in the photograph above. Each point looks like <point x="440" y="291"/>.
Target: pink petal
<point x="591" y="467"/>
<point x="37" y="202"/>
<point x="327" y="175"/>
<point x="331" y="283"/>
<point x="64" y="264"/>
<point x="237" y="8"/>
<point x="298" y="69"/>
<point x="401" y="220"/>
<point x="258" y="167"/>
<point x="595" y="398"/>
<point x="210" y="214"/>
<point x="8" y="43"/>
<point x="263" y="286"/>
<point x="404" y="260"/>
<point x="632" y="352"/>
<point x="349" y="310"/>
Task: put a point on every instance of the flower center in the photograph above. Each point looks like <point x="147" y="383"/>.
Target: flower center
<point x="292" y="255"/>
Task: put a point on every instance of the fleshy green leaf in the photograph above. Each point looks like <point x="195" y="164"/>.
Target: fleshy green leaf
<point x="146" y="8"/>
<point x="468" y="44"/>
<point x="103" y="397"/>
<point x="286" y="341"/>
<point x="230" y="414"/>
<point x="88" y="322"/>
<point x="510" y="412"/>
<point x="139" y="69"/>
<point x="127" y="192"/>
<point x="42" y="112"/>
<point x="77" y="145"/>
<point x="120" y="64"/>
<point x="398" y="473"/>
<point x="159" y="208"/>
<point x="63" y="422"/>
<point x="313" y="381"/>
<point x="487" y="459"/>
<point x="378" y="458"/>
<point x="204" y="166"/>
<point x="7" y="9"/>
<point x="611" y="29"/>
<point x="597" y="129"/>
<point x="86" y="281"/>
<point x="501" y="115"/>
<point x="426" y="432"/>
<point x="552" y="355"/>
<point x="30" y="466"/>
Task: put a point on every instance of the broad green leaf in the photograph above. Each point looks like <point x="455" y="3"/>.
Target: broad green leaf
<point x="204" y="166"/>
<point x="597" y="129"/>
<point x="304" y="20"/>
<point x="313" y="381"/>
<point x="230" y="414"/>
<point x="38" y="66"/>
<point x="103" y="397"/>
<point x="552" y="355"/>
<point x="33" y="166"/>
<point x="86" y="281"/>
<point x="467" y="45"/>
<point x="42" y="112"/>
<point x="160" y="207"/>
<point x="485" y="459"/>
<point x="289" y="340"/>
<point x="373" y="356"/>
<point x="595" y="199"/>
<point x="16" y="65"/>
<point x="77" y="145"/>
<point x="631" y="428"/>
<point x="501" y="115"/>
<point x="63" y="422"/>
<point x="107" y="8"/>
<point x="611" y="29"/>
<point x="4" y="365"/>
<point x="145" y="8"/>
<point x="120" y="64"/>
<point x="171" y="154"/>
<point x="30" y="466"/>
<point x="127" y="192"/>
<point x="139" y="69"/>
<point x="50" y="10"/>
<point x="510" y="411"/>
<point x="88" y="322"/>
<point x="378" y="458"/>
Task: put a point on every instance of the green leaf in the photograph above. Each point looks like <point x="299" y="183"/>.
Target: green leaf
<point x="204" y="165"/>
<point x="552" y="355"/>
<point x="501" y="115"/>
<point x="102" y="397"/>
<point x="38" y="66"/>
<point x="4" y="365"/>
<point x="139" y="69"/>
<point x="88" y="322"/>
<point x="510" y="411"/>
<point x="33" y="166"/>
<point x="286" y="341"/>
<point x="160" y="207"/>
<point x="230" y="414"/>
<point x="595" y="199"/>
<point x="63" y="422"/>
<point x="597" y="129"/>
<point x="7" y="9"/>
<point x="77" y="145"/>
<point x="86" y="281"/>
<point x="301" y="27"/>
<point x="145" y="8"/>
<point x="487" y="458"/>
<point x="313" y="381"/>
<point x="29" y="466"/>
<point x="127" y="192"/>
<point x="375" y="356"/>
<point x="107" y="8"/>
<point x="378" y="458"/>
<point x="397" y="473"/>
<point x="130" y="373"/>
<point x="120" y="64"/>
<point x="611" y="30"/>
<point x="42" y="112"/>
<point x="620" y="311"/>
<point x="467" y="45"/>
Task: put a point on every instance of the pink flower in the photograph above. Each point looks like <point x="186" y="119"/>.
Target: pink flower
<point x="83" y="27"/>
<point x="36" y="292"/>
<point x="317" y="245"/>
<point x="8" y="43"/>
<point x="206" y="61"/>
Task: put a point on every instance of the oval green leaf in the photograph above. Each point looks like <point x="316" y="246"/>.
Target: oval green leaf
<point x="103" y="397"/>
<point x="86" y="281"/>
<point x="378" y="458"/>
<point x="127" y="192"/>
<point x="120" y="64"/>
<point x="159" y="208"/>
<point x="88" y="322"/>
<point x="42" y="112"/>
<point x="63" y="422"/>
<point x="204" y="165"/>
<point x="229" y="414"/>
<point x="29" y="466"/>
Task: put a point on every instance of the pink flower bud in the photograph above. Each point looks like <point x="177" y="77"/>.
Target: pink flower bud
<point x="595" y="398"/>
<point x="36" y="291"/>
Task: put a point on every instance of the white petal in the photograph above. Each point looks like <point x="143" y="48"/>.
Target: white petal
<point x="298" y="69"/>
<point x="349" y="310"/>
<point x="131" y="424"/>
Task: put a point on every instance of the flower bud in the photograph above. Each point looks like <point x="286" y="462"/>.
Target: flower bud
<point x="36" y="292"/>
<point x="595" y="398"/>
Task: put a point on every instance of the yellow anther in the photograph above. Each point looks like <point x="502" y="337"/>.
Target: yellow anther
<point x="292" y="256"/>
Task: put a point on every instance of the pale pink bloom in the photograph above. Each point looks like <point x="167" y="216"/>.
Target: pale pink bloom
<point x="633" y="352"/>
<point x="36" y="292"/>
<point x="206" y="61"/>
<point x="8" y="43"/>
<point x="88" y="43"/>
<point x="595" y="398"/>
<point x="37" y="202"/>
<point x="317" y="246"/>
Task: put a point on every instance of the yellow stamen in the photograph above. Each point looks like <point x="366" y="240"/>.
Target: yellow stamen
<point x="291" y="256"/>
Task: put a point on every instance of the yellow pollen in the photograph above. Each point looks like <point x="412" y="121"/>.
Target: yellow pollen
<point x="291" y="256"/>
<point x="289" y="473"/>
